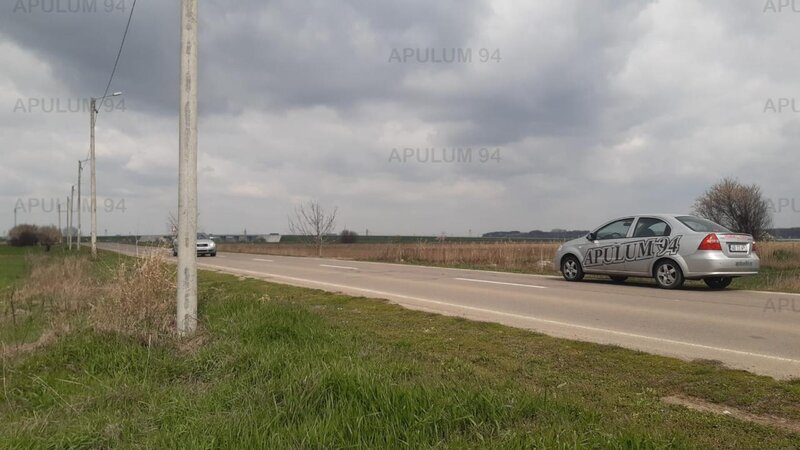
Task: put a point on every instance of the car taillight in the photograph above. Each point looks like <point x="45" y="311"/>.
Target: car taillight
<point x="711" y="242"/>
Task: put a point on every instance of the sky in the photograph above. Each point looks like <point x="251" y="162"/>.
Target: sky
<point x="411" y="117"/>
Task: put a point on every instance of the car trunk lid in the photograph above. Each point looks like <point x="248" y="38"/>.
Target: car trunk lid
<point x="736" y="245"/>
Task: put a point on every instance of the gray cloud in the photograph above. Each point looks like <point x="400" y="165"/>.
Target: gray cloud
<point x="598" y="109"/>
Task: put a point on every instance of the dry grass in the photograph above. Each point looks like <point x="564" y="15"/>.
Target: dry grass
<point x="62" y="284"/>
<point x="532" y="257"/>
<point x="140" y="299"/>
<point x="62" y="294"/>
<point x="535" y="257"/>
<point x="45" y="306"/>
<point x="779" y="255"/>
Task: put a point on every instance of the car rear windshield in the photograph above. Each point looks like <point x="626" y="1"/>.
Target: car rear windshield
<point x="702" y="225"/>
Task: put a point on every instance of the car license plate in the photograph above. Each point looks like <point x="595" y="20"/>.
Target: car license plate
<point x="739" y="248"/>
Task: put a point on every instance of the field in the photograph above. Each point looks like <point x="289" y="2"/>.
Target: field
<point x="284" y="367"/>
<point x="12" y="265"/>
<point x="780" y="260"/>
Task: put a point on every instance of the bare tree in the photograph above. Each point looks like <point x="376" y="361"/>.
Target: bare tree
<point x="24" y="235"/>
<point x="172" y="224"/>
<point x="737" y="206"/>
<point x="311" y="221"/>
<point x="49" y="236"/>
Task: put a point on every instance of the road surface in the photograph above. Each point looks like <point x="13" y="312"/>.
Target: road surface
<point x="754" y="331"/>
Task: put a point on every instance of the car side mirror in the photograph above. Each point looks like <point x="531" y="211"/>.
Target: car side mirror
<point x="591" y="236"/>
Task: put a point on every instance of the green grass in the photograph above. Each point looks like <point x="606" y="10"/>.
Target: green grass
<point x="13" y="269"/>
<point x="12" y="264"/>
<point x="767" y="278"/>
<point x="286" y="367"/>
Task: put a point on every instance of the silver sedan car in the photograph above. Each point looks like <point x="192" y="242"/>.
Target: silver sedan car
<point x="205" y="246"/>
<point x="671" y="248"/>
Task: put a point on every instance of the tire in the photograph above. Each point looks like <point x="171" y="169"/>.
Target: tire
<point x="174" y="253"/>
<point x="718" y="283"/>
<point x="617" y="279"/>
<point x="213" y="254"/>
<point x="571" y="269"/>
<point x="668" y="274"/>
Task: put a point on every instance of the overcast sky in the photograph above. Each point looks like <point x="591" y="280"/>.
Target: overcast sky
<point x="584" y="110"/>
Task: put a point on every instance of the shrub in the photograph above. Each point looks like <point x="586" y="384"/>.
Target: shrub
<point x="49" y="236"/>
<point x="348" y="237"/>
<point x="24" y="235"/>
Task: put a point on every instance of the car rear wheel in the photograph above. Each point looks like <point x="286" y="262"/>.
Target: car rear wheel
<point x="668" y="275"/>
<point x="718" y="282"/>
<point x="617" y="279"/>
<point x="571" y="269"/>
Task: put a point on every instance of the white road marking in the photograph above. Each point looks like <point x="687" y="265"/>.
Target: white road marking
<point x="263" y="260"/>
<point x="420" y="266"/>
<point x="221" y="256"/>
<point x="338" y="267"/>
<point x="511" y="315"/>
<point x="501" y="283"/>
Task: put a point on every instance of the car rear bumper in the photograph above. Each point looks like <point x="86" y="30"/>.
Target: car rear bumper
<point x="200" y="251"/>
<point x="716" y="264"/>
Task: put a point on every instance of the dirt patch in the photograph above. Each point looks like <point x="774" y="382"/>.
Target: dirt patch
<point x="704" y="406"/>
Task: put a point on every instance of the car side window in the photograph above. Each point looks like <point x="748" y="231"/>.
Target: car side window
<point x="614" y="230"/>
<point x="651" y="227"/>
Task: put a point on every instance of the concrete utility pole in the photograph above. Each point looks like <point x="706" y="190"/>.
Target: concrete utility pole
<point x="187" y="179"/>
<point x="69" y="222"/>
<point x="80" y="170"/>
<point x="93" y="163"/>
<point x="60" y="230"/>
<point x="71" y="213"/>
<point x="15" y="217"/>
<point x="67" y="228"/>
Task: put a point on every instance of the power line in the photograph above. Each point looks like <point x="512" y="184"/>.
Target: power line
<point x="116" y="63"/>
<point x="119" y="53"/>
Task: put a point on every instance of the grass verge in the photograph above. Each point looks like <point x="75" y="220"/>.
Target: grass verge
<point x="286" y="367"/>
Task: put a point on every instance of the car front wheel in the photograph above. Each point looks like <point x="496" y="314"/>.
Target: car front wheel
<point x="571" y="269"/>
<point x="718" y="282"/>
<point x="668" y="275"/>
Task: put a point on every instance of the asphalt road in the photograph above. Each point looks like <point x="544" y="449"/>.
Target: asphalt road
<point x="755" y="331"/>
